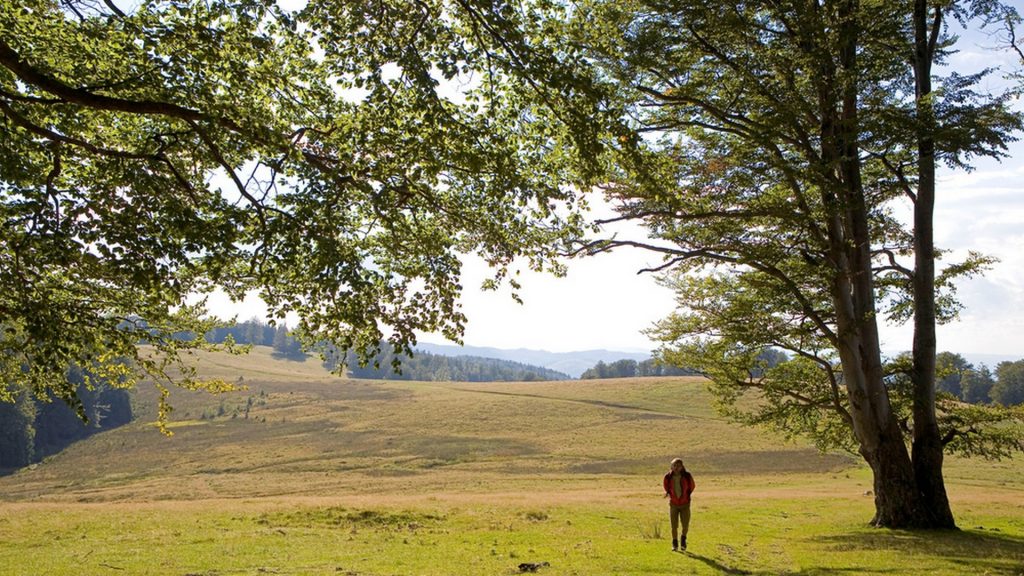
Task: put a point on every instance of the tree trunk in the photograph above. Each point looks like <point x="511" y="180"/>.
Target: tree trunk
<point x="927" y="444"/>
<point x="909" y="492"/>
<point x="897" y="501"/>
<point x="904" y="488"/>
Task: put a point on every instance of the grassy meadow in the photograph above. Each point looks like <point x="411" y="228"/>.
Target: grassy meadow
<point x="307" y="473"/>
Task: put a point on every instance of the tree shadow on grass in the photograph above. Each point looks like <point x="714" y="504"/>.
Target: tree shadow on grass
<point x="977" y="551"/>
<point x="721" y="568"/>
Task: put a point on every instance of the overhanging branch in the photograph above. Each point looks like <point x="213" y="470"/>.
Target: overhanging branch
<point x="27" y="73"/>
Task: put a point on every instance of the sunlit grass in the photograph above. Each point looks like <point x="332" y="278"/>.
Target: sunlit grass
<point x="737" y="535"/>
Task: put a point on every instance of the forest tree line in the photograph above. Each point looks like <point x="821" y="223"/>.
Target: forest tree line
<point x="627" y="368"/>
<point x="387" y="364"/>
<point x="980" y="385"/>
<point x="258" y="333"/>
<point x="956" y="376"/>
<point x="32" y="428"/>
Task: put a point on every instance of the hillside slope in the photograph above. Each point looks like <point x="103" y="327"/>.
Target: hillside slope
<point x="297" y="430"/>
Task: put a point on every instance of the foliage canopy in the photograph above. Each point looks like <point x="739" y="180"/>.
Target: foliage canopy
<point x="321" y="158"/>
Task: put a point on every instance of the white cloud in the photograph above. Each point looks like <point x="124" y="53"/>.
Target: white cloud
<point x="601" y="303"/>
<point x="984" y="211"/>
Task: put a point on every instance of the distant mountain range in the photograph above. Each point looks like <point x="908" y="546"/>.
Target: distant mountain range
<point x="571" y="363"/>
<point x="990" y="360"/>
<point x="975" y="358"/>
<point x="575" y="363"/>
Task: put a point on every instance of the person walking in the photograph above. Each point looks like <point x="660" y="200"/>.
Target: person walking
<point x="679" y="484"/>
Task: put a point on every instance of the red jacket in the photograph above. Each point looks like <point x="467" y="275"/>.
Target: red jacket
<point x="686" y="483"/>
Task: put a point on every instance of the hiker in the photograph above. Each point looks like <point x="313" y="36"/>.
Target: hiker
<point x="679" y="484"/>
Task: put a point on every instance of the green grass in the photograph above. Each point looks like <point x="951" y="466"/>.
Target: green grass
<point x="329" y="476"/>
<point x="744" y="536"/>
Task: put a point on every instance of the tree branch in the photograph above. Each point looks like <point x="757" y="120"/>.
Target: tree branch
<point x="802" y="399"/>
<point x="668" y="214"/>
<point x="834" y="391"/>
<point x="113" y="8"/>
<point x="11" y="60"/>
<point x="897" y="171"/>
<point x="600" y="246"/>
<point x="25" y="123"/>
<point x="794" y="289"/>
<point x="219" y="157"/>
<point x="734" y="123"/>
<point x="894" y="265"/>
<point x="933" y="38"/>
<point x="1011" y="30"/>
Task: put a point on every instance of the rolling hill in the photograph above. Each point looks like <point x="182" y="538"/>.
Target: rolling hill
<point x="296" y="429"/>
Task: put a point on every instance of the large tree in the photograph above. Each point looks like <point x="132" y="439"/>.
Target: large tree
<point x="336" y="160"/>
<point x="769" y="146"/>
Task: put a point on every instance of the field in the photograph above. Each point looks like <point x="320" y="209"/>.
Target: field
<point x="306" y="473"/>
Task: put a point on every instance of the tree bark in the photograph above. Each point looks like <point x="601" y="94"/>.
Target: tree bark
<point x="897" y="500"/>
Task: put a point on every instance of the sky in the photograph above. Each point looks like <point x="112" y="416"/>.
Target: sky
<point x="602" y="303"/>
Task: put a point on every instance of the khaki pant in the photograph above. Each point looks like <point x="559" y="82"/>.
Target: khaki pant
<point x="679" y="515"/>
